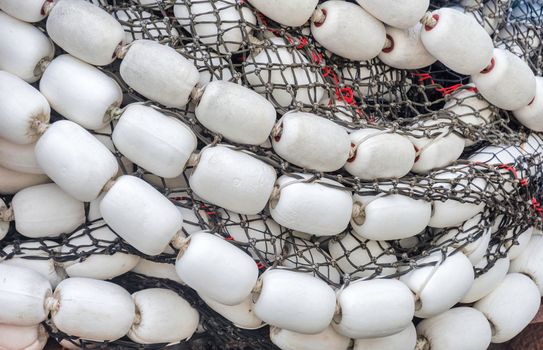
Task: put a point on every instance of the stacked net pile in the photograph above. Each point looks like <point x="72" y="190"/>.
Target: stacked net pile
<point x="499" y="171"/>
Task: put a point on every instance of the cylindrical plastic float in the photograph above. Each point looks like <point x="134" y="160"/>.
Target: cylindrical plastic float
<point x="241" y="315"/>
<point x="28" y="10"/>
<point x="13" y="181"/>
<point x="404" y="49"/>
<point x="487" y="281"/>
<point x="201" y="265"/>
<point x="19" y="157"/>
<point x="286" y="12"/>
<point x="80" y="92"/>
<point x="325" y="340"/>
<point x="157" y="269"/>
<point x="233" y="180"/>
<point x="530" y="261"/>
<point x="32" y="337"/>
<point x="400" y="14"/>
<point x="404" y="340"/>
<point x="531" y="116"/>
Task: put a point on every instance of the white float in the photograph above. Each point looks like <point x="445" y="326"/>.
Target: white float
<point x="19" y="157"/>
<point x="216" y="24"/>
<point x="233" y="180"/>
<point x="153" y="307"/>
<point x="508" y="83"/>
<point x="374" y="308"/>
<point x="400" y="14"/>
<point x="312" y="207"/>
<point x="439" y="287"/>
<point x="12" y="182"/>
<point x="236" y="112"/>
<point x="23" y="110"/>
<point x="404" y="340"/>
<point x="23" y="48"/>
<point x="458" y="41"/>
<point x="530" y="261"/>
<point x="140" y="215"/>
<point x="80" y="92"/>
<point x="362" y="258"/>
<point x="488" y="281"/>
<point x="28" y="11"/>
<point x="385" y="217"/>
<point x="311" y="142"/>
<point x="335" y="23"/>
<point x="306" y="85"/>
<point x="157" y="269"/>
<point x="85" y="31"/>
<point x="41" y="259"/>
<point x="97" y="266"/>
<point x="159" y="73"/>
<point x="92" y="309"/>
<point x="459" y="328"/>
<point x="46" y="211"/>
<point x="154" y="141"/>
<point x="325" y="340"/>
<point x="531" y="115"/>
<point x="241" y="315"/>
<point x="516" y="246"/>
<point x="22" y="337"/>
<point x="22" y="295"/>
<point x="404" y="49"/>
<point x="380" y="154"/>
<point x="75" y="160"/>
<point x="286" y="12"/>
<point x="510" y="307"/>
<point x="295" y="301"/>
<point x="201" y="266"/>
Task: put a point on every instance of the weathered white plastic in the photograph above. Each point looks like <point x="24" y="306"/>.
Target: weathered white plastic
<point x="159" y="73"/>
<point x="154" y="141"/>
<point x="439" y="288"/>
<point x="28" y="10"/>
<point x="488" y="281"/>
<point x="138" y="24"/>
<point x="19" y="157"/>
<point x="233" y="180"/>
<point x="406" y="50"/>
<point x="201" y="266"/>
<point x="46" y="211"/>
<point x="20" y="105"/>
<point x="85" y="31"/>
<point x="530" y="261"/>
<point x="31" y="337"/>
<point x="404" y="340"/>
<point x="400" y="14"/>
<point x="380" y="155"/>
<point x="531" y="116"/>
<point x="92" y="309"/>
<point x="286" y="12"/>
<point x="304" y="253"/>
<point x="510" y="84"/>
<point x="305" y="83"/>
<point x="295" y="301"/>
<point x="257" y="230"/>
<point x="75" y="160"/>
<point x="12" y="182"/>
<point x="458" y="328"/>
<point x="23" y="46"/>
<point x="79" y="91"/>
<point x="362" y="252"/>
<point x="450" y="212"/>
<point x="157" y="269"/>
<point x="314" y="207"/>
<point x="241" y="315"/>
<point x="42" y="262"/>
<point x="236" y="112"/>
<point x="22" y="295"/>
<point x="510" y="307"/>
<point x="337" y="31"/>
<point x="391" y="216"/>
<point x="97" y="266"/>
<point x="439" y="150"/>
<point x="458" y="41"/>
<point x="374" y="308"/>
<point x="164" y="317"/>
<point x="325" y="340"/>
<point x="140" y="215"/>
<point x="312" y="142"/>
<point x="216" y="24"/>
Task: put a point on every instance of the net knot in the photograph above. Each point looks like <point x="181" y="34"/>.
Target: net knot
<point x="358" y="213"/>
<point x="121" y="50"/>
<point x="51" y="304"/>
<point x="429" y="20"/>
<point x="422" y="343"/>
<point x="41" y="66"/>
<point x="39" y="126"/>
<point x="112" y="113"/>
<point x="6" y="214"/>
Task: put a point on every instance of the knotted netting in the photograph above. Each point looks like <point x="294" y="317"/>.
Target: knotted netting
<point x="499" y="171"/>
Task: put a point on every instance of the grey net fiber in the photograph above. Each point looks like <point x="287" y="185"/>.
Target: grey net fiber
<point x="416" y="103"/>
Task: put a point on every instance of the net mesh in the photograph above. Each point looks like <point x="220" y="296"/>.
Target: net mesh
<point x="501" y="170"/>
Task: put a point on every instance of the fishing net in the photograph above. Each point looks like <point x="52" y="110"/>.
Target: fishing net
<point x="501" y="169"/>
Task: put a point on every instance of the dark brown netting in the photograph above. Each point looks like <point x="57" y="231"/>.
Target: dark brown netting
<point x="502" y="168"/>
